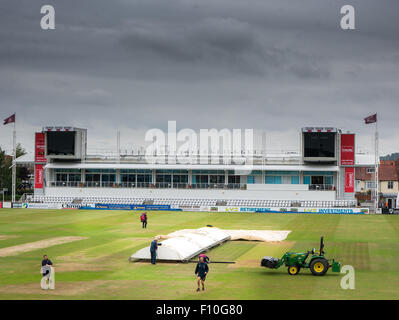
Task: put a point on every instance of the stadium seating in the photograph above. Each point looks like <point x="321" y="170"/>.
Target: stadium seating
<point x="188" y="202"/>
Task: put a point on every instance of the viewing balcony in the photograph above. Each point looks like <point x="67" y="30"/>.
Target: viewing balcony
<point x="174" y="185"/>
<point x="148" y="185"/>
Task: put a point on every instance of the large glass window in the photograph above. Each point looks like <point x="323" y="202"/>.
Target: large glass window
<point x="201" y="179"/>
<point x="250" y="179"/>
<point x="164" y="178"/>
<point x="180" y="178"/>
<point x="370" y="185"/>
<point x="317" y="180"/>
<point x="328" y="180"/>
<point x="108" y="179"/>
<point x="61" y="177"/>
<point x="67" y="175"/>
<point x="144" y="178"/>
<point x="234" y="179"/>
<point x="295" y="180"/>
<point x="216" y="179"/>
<point x="128" y="178"/>
<point x="74" y="177"/>
<point x="273" y="179"/>
<point x="93" y="177"/>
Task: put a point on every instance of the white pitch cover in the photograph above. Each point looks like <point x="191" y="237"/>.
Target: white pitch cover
<point x="185" y="244"/>
<point x="182" y="245"/>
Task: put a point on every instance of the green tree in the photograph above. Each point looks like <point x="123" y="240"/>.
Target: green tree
<point x="20" y="151"/>
<point x="6" y="170"/>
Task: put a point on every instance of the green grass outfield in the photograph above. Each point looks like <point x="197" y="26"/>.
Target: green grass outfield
<point x="98" y="267"/>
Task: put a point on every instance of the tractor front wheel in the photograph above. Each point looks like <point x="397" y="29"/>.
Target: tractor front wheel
<point x="319" y="266"/>
<point x="293" y="270"/>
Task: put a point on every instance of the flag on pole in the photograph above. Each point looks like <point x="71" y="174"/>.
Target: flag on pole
<point x="10" y="119"/>
<point x="371" y="119"/>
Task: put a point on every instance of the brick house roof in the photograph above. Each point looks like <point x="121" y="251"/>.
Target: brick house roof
<point x="388" y="171"/>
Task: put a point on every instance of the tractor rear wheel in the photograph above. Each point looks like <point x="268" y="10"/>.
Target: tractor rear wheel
<point x="294" y="270"/>
<point x="319" y="266"/>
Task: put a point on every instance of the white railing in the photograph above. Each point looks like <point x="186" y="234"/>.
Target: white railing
<point x="157" y="185"/>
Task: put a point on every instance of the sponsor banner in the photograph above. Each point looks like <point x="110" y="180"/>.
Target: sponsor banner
<point x="337" y="210"/>
<point x="39" y="205"/>
<point x="40" y="147"/>
<point x="72" y="206"/>
<point x="1" y="204"/>
<point x="190" y="208"/>
<point x="347" y="149"/>
<point x="288" y="210"/>
<point x="39" y="172"/>
<point x="16" y="205"/>
<point x="349" y="180"/>
<point x="87" y="206"/>
<point x="390" y="211"/>
<point x="7" y="205"/>
<point x="112" y="206"/>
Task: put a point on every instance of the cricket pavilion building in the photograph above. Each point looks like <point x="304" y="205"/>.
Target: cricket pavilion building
<point x="320" y="176"/>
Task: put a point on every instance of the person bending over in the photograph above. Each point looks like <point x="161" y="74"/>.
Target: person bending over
<point x="153" y="250"/>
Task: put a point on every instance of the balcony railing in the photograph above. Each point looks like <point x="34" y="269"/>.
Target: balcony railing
<point x="168" y="185"/>
<point x="158" y="185"/>
<point x="322" y="187"/>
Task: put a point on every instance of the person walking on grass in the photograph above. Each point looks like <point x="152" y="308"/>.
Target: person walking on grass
<point x="143" y="219"/>
<point x="201" y="271"/>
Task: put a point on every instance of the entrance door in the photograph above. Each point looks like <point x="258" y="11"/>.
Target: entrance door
<point x="390" y="203"/>
<point x="317" y="179"/>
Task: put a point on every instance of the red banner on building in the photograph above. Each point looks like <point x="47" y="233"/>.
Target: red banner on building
<point x="39" y="172"/>
<point x="347" y="149"/>
<point x="349" y="180"/>
<point x="40" y="147"/>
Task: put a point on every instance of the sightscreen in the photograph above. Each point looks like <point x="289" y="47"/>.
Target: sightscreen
<point x="61" y="143"/>
<point x="319" y="144"/>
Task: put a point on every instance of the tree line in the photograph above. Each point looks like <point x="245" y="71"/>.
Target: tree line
<point x="23" y="173"/>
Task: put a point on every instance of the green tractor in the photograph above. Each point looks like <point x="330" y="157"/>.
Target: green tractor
<point x="318" y="263"/>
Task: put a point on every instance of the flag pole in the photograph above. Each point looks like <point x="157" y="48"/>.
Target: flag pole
<point x="376" y="166"/>
<point x="14" y="156"/>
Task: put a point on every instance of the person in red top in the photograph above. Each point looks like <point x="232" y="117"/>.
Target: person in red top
<point x="143" y="219"/>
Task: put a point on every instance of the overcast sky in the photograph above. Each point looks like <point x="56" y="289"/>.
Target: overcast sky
<point x="276" y="65"/>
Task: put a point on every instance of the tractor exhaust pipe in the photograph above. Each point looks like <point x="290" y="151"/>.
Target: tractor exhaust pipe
<point x="321" y="252"/>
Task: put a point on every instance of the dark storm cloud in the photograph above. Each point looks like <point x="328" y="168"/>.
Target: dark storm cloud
<point x="133" y="65"/>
